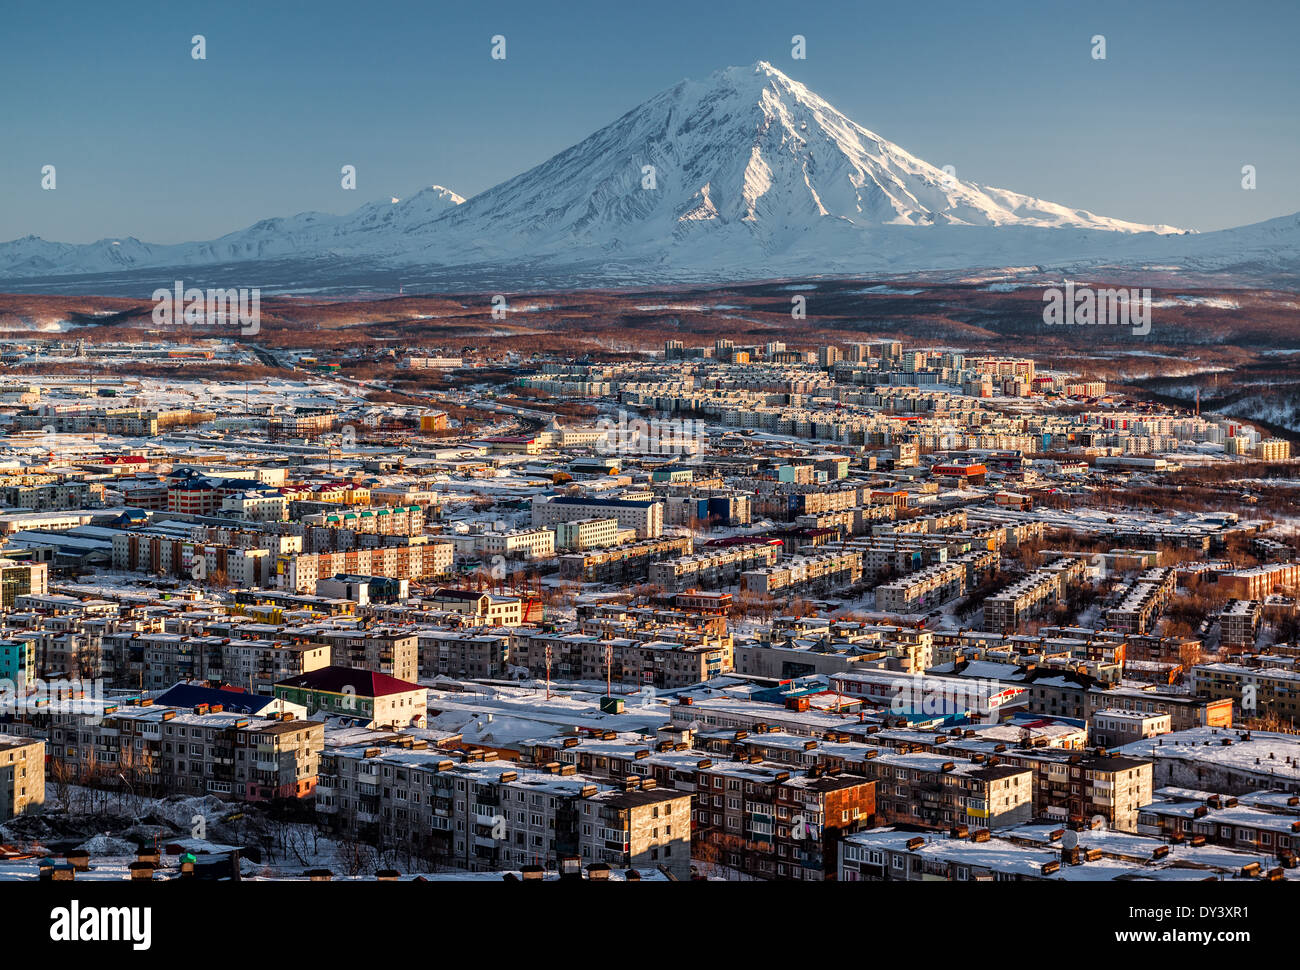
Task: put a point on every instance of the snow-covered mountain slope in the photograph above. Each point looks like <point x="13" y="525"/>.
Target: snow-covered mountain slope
<point x="742" y="175"/>
<point x="307" y="235"/>
<point x="748" y="150"/>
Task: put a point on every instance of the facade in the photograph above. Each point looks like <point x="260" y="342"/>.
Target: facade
<point x="482" y="608"/>
<point x="418" y="561"/>
<point x="1255" y="688"/>
<point x="803" y="575"/>
<point x="486" y="814"/>
<point x="579" y="535"/>
<point x="662" y="664"/>
<point x="361" y="695"/>
<point x="646" y="517"/>
<point x="529" y="543"/>
<point x="192" y="752"/>
<point x="712" y="567"/>
<point x="641" y="826"/>
<point x="924" y="589"/>
<point x="1142" y="602"/>
<point x="393" y="652"/>
<point x="22" y="776"/>
<point x="22" y="579"/>
<point x="767" y="821"/>
<point x="930" y="789"/>
<point x="625" y="563"/>
<point x="1032" y="596"/>
<point x="253" y="663"/>
<point x="17" y="660"/>
<point x="1259" y="582"/>
<point x="1112" y="727"/>
<point x="470" y="653"/>
<point x="1239" y="623"/>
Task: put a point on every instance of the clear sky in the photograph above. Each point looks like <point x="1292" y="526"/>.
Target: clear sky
<point x="151" y="143"/>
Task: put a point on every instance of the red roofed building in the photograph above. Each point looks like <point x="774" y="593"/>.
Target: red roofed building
<point x="371" y="698"/>
<point x="971" y="474"/>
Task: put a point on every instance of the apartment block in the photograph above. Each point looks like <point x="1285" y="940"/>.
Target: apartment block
<point x="22" y="579"/>
<point x="804" y="575"/>
<point x="22" y="775"/>
<point x="640" y="826"/>
<point x="1111" y="727"/>
<point x="623" y="564"/>
<point x="713" y="567"/>
<point x="394" y="652"/>
<point x="467" y="653"/>
<point x="646" y="517"/>
<point x="1256" y="686"/>
<point x="658" y="663"/>
<point x="767" y="821"/>
<point x="1142" y="602"/>
<point x="924" y="589"/>
<point x="931" y="789"/>
<point x="1034" y="595"/>
<point x="191" y="752"/>
<point x="1239" y="624"/>
<point x="482" y="814"/>
<point x="253" y="663"/>
<point x="579" y="535"/>
<point x="419" y="561"/>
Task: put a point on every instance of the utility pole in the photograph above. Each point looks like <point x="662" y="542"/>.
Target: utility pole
<point x="548" y="671"/>
<point x="609" y="666"/>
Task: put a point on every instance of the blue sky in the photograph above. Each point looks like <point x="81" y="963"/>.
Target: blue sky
<point x="149" y="142"/>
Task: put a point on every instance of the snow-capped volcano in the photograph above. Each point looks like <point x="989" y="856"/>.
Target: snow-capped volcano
<point x="747" y="149"/>
<point x="742" y="175"/>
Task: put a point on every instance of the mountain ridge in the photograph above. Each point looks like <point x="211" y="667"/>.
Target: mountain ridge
<point x="744" y="172"/>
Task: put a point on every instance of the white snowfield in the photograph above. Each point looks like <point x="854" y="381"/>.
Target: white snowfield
<point x="746" y="174"/>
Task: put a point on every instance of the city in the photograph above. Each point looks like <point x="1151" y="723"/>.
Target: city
<point x="444" y="450"/>
<point x="872" y="612"/>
